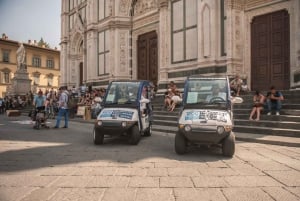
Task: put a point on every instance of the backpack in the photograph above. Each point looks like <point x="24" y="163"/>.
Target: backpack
<point x="71" y="102"/>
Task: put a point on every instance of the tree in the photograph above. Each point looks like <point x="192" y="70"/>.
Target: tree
<point x="42" y="43"/>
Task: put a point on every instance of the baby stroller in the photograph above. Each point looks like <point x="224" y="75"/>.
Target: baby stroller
<point x="40" y="118"/>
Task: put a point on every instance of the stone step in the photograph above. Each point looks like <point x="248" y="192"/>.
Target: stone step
<point x="166" y="129"/>
<point x="267" y="130"/>
<point x="284" y="105"/>
<point x="249" y="130"/>
<point x="165" y="117"/>
<point x="293" y="112"/>
<point x="170" y="123"/>
<point x="270" y="124"/>
<point x="269" y="118"/>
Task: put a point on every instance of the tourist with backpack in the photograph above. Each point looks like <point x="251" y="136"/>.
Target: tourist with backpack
<point x="63" y="107"/>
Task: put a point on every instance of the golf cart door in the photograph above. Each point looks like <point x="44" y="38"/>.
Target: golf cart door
<point x="145" y="106"/>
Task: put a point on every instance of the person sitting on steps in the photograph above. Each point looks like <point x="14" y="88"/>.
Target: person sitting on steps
<point x="258" y="103"/>
<point x="274" y="99"/>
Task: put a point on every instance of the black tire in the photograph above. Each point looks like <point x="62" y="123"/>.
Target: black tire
<point x="37" y="124"/>
<point x="97" y="137"/>
<point x="148" y="132"/>
<point x="135" y="135"/>
<point x="180" y="143"/>
<point x="228" y="145"/>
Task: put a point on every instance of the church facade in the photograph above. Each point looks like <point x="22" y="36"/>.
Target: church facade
<point x="168" y="40"/>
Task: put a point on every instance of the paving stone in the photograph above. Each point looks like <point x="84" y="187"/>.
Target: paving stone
<point x="72" y="181"/>
<point x="78" y="194"/>
<point x="270" y="165"/>
<point x="26" y="180"/>
<point x="14" y="193"/>
<point x="157" y="194"/>
<point x="144" y="182"/>
<point x="209" y="182"/>
<point x="131" y="172"/>
<point x="39" y="194"/>
<point x="176" y="182"/>
<point x="251" y="181"/>
<point x="108" y="182"/>
<point x="199" y="194"/>
<point x="157" y="172"/>
<point x="191" y="172"/>
<point x="218" y="171"/>
<point x="294" y="190"/>
<point x="289" y="177"/>
<point x="280" y="194"/>
<point x="102" y="171"/>
<point x="120" y="194"/>
<point x="246" y="194"/>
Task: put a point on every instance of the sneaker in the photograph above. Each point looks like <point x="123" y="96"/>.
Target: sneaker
<point x="269" y="113"/>
<point x="277" y="113"/>
<point x="55" y="127"/>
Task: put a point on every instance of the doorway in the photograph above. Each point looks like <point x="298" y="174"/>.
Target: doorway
<point x="147" y="68"/>
<point x="270" y="51"/>
<point x="80" y="73"/>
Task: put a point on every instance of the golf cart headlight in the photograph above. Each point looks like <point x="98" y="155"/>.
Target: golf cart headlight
<point x="99" y="123"/>
<point x="124" y="124"/>
<point x="220" y="129"/>
<point x="187" y="128"/>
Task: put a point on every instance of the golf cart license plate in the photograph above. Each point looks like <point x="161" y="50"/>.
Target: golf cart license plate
<point x="117" y="114"/>
<point x="206" y="115"/>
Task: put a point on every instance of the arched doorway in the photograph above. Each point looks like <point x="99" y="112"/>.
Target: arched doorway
<point x="270" y="51"/>
<point x="147" y="68"/>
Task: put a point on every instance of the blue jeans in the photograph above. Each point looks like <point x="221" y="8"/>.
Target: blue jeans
<point x="65" y="113"/>
<point x="273" y="105"/>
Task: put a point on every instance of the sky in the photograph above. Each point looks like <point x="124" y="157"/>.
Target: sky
<point x="23" y="20"/>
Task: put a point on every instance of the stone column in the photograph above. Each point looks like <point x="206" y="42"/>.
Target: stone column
<point x="235" y="37"/>
<point x="164" y="41"/>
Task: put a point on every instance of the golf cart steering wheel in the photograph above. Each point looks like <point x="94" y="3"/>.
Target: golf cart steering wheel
<point x="216" y="99"/>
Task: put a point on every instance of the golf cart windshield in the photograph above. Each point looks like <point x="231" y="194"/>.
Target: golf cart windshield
<point x="206" y="91"/>
<point x="120" y="93"/>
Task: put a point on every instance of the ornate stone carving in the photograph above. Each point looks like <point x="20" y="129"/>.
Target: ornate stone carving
<point x="144" y="6"/>
<point x="123" y="6"/>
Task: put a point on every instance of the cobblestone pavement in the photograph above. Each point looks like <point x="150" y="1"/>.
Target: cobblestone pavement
<point x="64" y="164"/>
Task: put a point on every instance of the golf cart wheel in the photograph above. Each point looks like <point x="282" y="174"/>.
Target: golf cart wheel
<point x="135" y="136"/>
<point x="98" y="137"/>
<point x="148" y="132"/>
<point x="228" y="146"/>
<point x="180" y="143"/>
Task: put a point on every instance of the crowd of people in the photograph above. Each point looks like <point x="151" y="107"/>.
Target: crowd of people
<point x="173" y="97"/>
<point x="52" y="100"/>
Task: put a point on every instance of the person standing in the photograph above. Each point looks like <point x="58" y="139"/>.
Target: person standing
<point x="274" y="99"/>
<point x="63" y="110"/>
<point x="258" y="103"/>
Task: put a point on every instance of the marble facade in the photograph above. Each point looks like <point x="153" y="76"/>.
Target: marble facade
<point x="87" y="59"/>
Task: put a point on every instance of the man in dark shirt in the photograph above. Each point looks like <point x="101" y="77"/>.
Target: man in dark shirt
<point x="274" y="99"/>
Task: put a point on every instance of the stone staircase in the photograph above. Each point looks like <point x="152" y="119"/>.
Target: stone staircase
<point x="286" y="125"/>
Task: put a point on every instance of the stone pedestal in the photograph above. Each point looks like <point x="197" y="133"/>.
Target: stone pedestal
<point x="21" y="84"/>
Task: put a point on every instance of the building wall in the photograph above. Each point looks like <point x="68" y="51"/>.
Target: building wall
<point x="43" y="72"/>
<point x="123" y="21"/>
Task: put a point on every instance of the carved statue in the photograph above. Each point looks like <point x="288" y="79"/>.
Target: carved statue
<point x="21" y="57"/>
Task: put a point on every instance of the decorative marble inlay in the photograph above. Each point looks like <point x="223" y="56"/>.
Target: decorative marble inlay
<point x="123" y="56"/>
